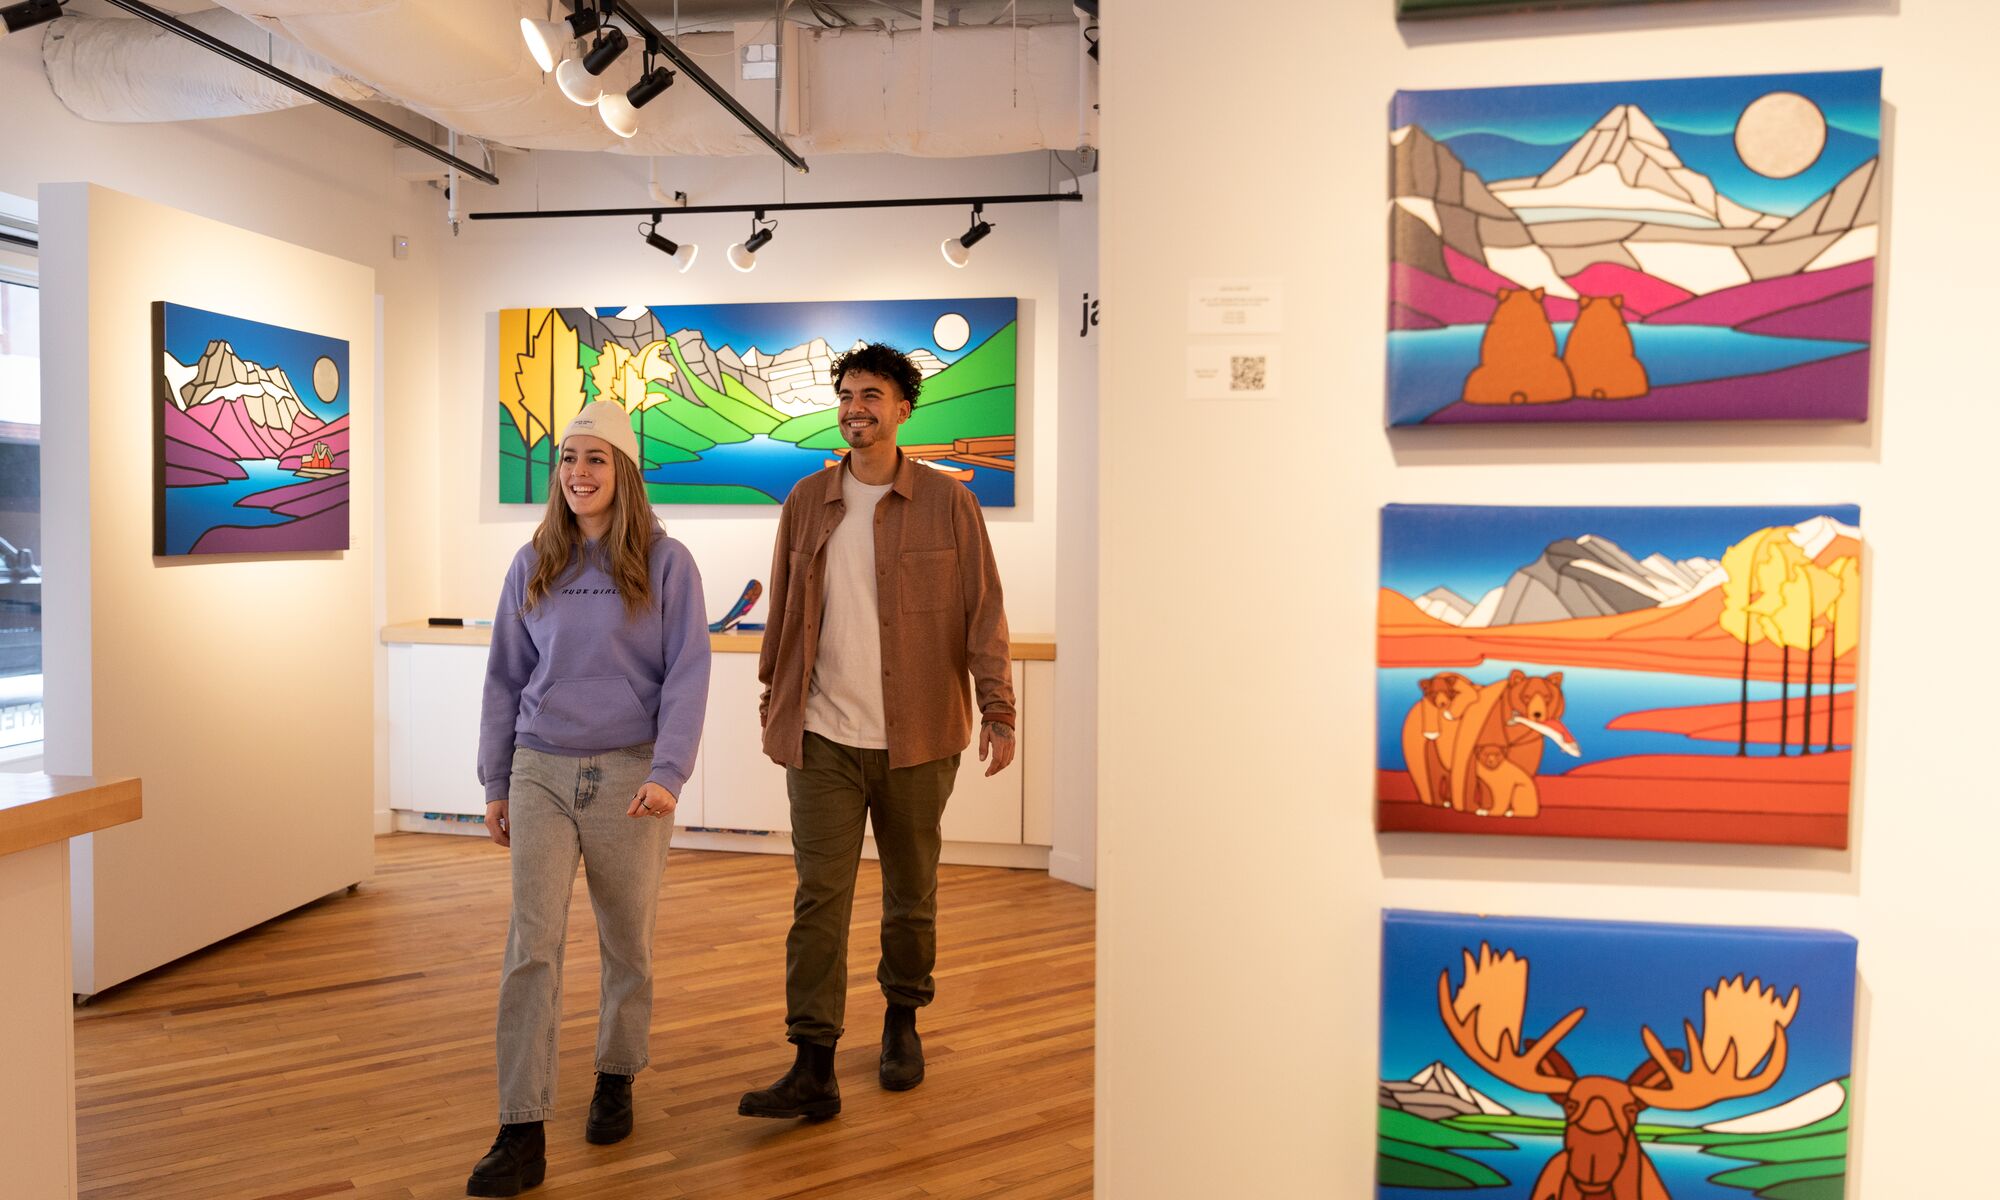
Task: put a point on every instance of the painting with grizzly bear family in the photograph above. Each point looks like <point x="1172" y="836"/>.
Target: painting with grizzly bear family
<point x="1677" y="674"/>
<point x="1661" y="250"/>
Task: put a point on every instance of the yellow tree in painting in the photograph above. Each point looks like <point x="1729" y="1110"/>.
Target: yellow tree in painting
<point x="1743" y="567"/>
<point x="1803" y="598"/>
<point x="547" y="387"/>
<point x="1843" y="614"/>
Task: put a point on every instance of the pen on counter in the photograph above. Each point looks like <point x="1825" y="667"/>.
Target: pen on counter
<point x="456" y="621"/>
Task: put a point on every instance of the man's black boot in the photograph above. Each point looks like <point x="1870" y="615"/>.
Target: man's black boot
<point x="515" y="1163"/>
<point x="610" y="1110"/>
<point x="807" y="1090"/>
<point x="902" y="1049"/>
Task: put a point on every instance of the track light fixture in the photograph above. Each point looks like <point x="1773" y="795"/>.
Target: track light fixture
<point x="958" y="250"/>
<point x="605" y="50"/>
<point x="546" y="39"/>
<point x="743" y="255"/>
<point x="33" y="12"/>
<point x="577" y="83"/>
<point x="681" y="252"/>
<point x="652" y="81"/>
<point x="618" y="114"/>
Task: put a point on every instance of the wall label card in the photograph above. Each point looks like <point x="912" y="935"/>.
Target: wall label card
<point x="1233" y="371"/>
<point x="1236" y="306"/>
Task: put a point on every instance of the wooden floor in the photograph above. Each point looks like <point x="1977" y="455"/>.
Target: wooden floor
<point x="346" y="1049"/>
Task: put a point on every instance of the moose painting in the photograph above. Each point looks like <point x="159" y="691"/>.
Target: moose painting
<point x="1685" y="674"/>
<point x="1538" y="1059"/>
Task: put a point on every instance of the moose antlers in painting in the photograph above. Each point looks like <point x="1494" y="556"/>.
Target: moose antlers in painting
<point x="1743" y="1025"/>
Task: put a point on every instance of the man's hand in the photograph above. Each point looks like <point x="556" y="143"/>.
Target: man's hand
<point x="997" y="739"/>
<point x="652" y="800"/>
<point x="496" y="823"/>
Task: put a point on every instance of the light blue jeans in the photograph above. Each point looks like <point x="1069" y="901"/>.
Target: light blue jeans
<point x="561" y="809"/>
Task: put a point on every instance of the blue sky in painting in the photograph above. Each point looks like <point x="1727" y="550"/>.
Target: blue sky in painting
<point x="190" y="330"/>
<point x="1503" y="133"/>
<point x="1472" y="549"/>
<point x="1627" y="975"/>
<point x="904" y="324"/>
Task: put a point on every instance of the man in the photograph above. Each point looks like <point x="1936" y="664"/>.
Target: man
<point x="884" y="598"/>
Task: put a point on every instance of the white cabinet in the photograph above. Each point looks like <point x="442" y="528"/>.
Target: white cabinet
<point x="434" y="743"/>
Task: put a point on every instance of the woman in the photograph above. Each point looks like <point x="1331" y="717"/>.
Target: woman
<point x="595" y="690"/>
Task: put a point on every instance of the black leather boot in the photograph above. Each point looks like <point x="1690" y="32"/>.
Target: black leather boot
<point x="902" y="1049"/>
<point x="610" y="1110"/>
<point x="514" y="1164"/>
<point x="807" y="1090"/>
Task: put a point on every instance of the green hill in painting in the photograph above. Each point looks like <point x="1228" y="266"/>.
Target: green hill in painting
<point x="985" y="370"/>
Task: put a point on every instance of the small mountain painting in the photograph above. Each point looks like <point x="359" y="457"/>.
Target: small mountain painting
<point x="1676" y="674"/>
<point x="1666" y="250"/>
<point x="734" y="403"/>
<point x="245" y="460"/>
<point x="1536" y="1059"/>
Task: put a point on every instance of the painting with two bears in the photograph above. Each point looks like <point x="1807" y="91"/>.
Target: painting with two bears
<point x="1678" y="674"/>
<point x="1661" y="250"/>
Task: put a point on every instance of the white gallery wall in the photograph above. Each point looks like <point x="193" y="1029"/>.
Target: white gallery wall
<point x="884" y="254"/>
<point x="308" y="177"/>
<point x="1240" y="877"/>
<point x="229" y="684"/>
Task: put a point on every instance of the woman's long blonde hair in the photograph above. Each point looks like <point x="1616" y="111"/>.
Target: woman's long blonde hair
<point x="628" y="543"/>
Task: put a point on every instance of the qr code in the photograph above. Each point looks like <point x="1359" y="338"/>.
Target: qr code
<point x="1246" y="372"/>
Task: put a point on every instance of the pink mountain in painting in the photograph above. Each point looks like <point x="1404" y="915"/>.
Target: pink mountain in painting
<point x="252" y="411"/>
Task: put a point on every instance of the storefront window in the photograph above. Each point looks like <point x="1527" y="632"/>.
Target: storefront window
<point x="20" y="513"/>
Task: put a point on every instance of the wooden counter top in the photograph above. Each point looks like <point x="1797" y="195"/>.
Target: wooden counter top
<point x="38" y="809"/>
<point x="1028" y="647"/>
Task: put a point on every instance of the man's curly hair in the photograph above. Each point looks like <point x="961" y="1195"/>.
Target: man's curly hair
<point x="886" y="361"/>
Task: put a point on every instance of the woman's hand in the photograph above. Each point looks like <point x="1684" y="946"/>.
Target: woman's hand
<point x="652" y="800"/>
<point x="496" y="823"/>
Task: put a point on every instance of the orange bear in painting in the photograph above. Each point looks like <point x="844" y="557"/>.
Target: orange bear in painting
<point x="1599" y="353"/>
<point x="1517" y="357"/>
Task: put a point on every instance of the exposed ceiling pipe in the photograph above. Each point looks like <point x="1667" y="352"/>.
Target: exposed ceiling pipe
<point x="464" y="66"/>
<point x="130" y="71"/>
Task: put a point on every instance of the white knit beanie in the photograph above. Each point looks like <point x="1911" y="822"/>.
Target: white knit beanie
<point x="606" y="419"/>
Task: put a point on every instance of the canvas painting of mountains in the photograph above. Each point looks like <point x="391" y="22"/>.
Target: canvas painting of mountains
<point x="1531" y="1059"/>
<point x="734" y="403"/>
<point x="244" y="461"/>
<point x="1676" y="674"/>
<point x="1666" y="250"/>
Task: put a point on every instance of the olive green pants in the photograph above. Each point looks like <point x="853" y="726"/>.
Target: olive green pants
<point x="834" y="793"/>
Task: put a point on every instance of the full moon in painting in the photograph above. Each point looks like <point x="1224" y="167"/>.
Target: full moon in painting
<point x="326" y="380"/>
<point x="951" y="332"/>
<point x="1780" y="134"/>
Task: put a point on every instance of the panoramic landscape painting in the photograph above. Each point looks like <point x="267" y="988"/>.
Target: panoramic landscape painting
<point x="1536" y="1059"/>
<point x="1665" y="250"/>
<point x="1681" y="674"/>
<point x="250" y="446"/>
<point x="734" y="403"/>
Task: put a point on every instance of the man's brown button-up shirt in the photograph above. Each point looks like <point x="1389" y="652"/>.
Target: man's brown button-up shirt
<point x="944" y="628"/>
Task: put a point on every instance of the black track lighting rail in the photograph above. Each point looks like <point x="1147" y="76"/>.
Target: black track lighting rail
<point x="661" y="212"/>
<point x="180" y="28"/>
<point x="9" y="238"/>
<point x="658" y="42"/>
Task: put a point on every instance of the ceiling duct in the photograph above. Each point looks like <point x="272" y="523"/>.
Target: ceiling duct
<point x="993" y="89"/>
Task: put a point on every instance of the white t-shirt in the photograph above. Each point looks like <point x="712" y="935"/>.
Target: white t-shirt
<point x="844" y="701"/>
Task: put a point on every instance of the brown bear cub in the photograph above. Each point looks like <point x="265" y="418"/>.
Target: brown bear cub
<point x="1517" y="356"/>
<point x="1599" y="352"/>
